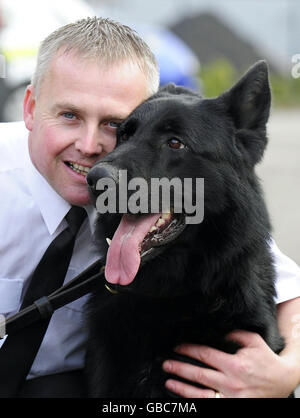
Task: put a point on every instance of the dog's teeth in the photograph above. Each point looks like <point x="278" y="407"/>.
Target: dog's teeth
<point x="108" y="241"/>
<point x="166" y="215"/>
<point x="153" y="228"/>
<point x="160" y="222"/>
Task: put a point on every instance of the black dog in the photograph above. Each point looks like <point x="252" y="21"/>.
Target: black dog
<point x="198" y="281"/>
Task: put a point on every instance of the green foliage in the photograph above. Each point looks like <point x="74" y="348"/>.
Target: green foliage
<point x="217" y="77"/>
<point x="286" y="91"/>
<point x="220" y="75"/>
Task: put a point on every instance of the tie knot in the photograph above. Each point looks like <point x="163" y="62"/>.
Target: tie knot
<point x="75" y="218"/>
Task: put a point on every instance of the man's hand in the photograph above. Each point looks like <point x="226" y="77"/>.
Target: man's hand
<point x="253" y="371"/>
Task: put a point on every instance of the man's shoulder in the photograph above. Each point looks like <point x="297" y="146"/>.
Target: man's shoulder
<point x="13" y="142"/>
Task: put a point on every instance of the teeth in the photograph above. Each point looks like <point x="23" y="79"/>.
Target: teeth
<point x="108" y="241"/>
<point x="80" y="168"/>
<point x="160" y="222"/>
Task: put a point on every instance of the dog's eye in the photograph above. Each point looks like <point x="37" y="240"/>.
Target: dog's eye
<point x="175" y="143"/>
<point x="123" y="137"/>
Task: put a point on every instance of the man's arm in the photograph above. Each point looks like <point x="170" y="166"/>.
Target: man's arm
<point x="289" y="326"/>
<point x="254" y="371"/>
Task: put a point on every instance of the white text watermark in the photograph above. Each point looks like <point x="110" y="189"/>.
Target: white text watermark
<point x="2" y="326"/>
<point x="183" y="195"/>
<point x="296" y="67"/>
<point x="2" y="66"/>
<point x="296" y="328"/>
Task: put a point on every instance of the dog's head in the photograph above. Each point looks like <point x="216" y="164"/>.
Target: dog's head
<point x="177" y="134"/>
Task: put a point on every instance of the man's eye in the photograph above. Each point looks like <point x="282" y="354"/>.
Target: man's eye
<point x="69" y="115"/>
<point x="113" y="124"/>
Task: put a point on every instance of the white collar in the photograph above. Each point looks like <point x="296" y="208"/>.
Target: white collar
<point x="52" y="206"/>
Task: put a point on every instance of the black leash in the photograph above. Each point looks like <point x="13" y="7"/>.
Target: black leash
<point x="43" y="308"/>
<point x="90" y="279"/>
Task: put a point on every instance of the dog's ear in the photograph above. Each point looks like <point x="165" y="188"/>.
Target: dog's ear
<point x="248" y="105"/>
<point x="173" y="89"/>
<point x="168" y="88"/>
<point x="248" y="102"/>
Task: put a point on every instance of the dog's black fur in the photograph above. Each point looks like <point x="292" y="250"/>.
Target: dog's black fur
<point x="215" y="277"/>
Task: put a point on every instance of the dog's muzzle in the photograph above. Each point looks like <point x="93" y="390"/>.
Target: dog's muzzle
<point x="101" y="171"/>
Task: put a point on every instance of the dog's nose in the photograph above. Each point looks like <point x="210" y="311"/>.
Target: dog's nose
<point x="101" y="171"/>
<point x="96" y="173"/>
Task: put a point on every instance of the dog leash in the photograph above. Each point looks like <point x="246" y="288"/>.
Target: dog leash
<point x="44" y="307"/>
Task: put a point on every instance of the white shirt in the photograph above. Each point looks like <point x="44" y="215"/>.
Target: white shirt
<point x="25" y="192"/>
<point x="31" y="216"/>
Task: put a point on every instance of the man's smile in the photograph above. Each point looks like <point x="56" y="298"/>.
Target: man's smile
<point x="78" y="168"/>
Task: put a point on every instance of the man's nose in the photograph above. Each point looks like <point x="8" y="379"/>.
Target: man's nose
<point x="89" y="143"/>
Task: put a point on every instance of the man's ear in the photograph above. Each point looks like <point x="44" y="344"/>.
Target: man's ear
<point x="29" y="107"/>
<point x="248" y="102"/>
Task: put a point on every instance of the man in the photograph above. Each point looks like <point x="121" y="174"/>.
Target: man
<point x="89" y="77"/>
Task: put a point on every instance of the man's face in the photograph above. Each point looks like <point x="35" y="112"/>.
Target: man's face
<point x="73" y="121"/>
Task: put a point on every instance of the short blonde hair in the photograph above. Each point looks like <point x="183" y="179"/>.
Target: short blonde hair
<point x="104" y="40"/>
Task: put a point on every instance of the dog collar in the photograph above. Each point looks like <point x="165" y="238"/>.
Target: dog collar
<point x="112" y="291"/>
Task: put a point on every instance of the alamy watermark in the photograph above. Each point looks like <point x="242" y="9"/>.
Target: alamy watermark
<point x="182" y="195"/>
<point x="2" y="66"/>
<point x="2" y="326"/>
<point x="296" y="328"/>
<point x="296" y="67"/>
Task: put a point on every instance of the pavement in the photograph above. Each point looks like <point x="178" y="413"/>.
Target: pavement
<point x="280" y="176"/>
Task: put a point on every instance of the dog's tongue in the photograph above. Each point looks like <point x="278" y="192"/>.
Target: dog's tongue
<point x="123" y="257"/>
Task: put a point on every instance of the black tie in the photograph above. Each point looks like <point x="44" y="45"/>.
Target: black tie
<point x="18" y="351"/>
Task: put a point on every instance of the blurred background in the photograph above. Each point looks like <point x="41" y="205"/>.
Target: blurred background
<point x="202" y="44"/>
